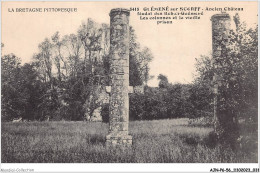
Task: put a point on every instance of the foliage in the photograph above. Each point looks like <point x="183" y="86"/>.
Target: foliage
<point x="237" y="92"/>
<point x="21" y="89"/>
<point x="171" y="101"/>
<point x="236" y="71"/>
<point x="64" y="79"/>
<point x="163" y="81"/>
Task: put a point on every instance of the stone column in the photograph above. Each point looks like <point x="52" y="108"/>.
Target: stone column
<point x="220" y="32"/>
<point x="119" y="78"/>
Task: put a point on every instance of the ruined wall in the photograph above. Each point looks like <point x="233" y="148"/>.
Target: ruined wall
<point x="94" y="105"/>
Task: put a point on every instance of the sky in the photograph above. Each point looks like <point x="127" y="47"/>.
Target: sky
<point x="174" y="46"/>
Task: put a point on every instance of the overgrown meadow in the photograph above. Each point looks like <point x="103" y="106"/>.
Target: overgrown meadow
<point x="157" y="141"/>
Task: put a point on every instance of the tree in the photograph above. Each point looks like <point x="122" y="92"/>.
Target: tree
<point x="21" y="89"/>
<point x="11" y="108"/>
<point x="237" y="91"/>
<point x="44" y="58"/>
<point x="139" y="60"/>
<point x="163" y="83"/>
<point x="201" y="93"/>
<point x="30" y="90"/>
<point x="67" y="75"/>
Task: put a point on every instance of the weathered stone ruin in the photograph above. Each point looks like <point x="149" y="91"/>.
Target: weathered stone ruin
<point x="220" y="34"/>
<point x="119" y="78"/>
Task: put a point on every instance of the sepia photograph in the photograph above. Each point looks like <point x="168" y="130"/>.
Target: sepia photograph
<point x="129" y="82"/>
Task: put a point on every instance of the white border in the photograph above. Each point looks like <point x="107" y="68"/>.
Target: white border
<point x="131" y="167"/>
<point x="127" y="167"/>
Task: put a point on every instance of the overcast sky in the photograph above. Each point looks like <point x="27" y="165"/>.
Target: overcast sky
<point x="174" y="46"/>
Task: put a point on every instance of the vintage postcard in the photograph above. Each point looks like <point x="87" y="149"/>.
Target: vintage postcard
<point x="89" y="83"/>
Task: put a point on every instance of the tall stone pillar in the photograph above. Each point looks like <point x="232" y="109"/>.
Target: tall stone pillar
<point x="220" y="33"/>
<point x="119" y="78"/>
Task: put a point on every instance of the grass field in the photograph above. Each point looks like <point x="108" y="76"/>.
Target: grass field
<point x="158" y="141"/>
